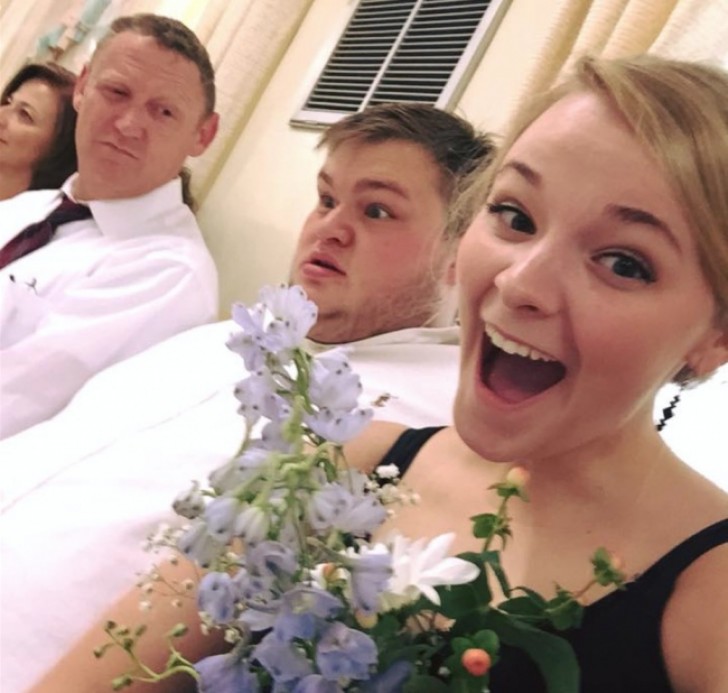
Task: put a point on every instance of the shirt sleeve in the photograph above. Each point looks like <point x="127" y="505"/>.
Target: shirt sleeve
<point x="130" y="301"/>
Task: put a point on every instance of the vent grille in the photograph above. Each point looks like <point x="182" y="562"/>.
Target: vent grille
<point x="401" y="50"/>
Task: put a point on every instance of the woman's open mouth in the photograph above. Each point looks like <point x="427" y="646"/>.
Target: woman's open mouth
<point x="514" y="371"/>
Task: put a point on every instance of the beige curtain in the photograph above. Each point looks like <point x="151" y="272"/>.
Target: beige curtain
<point x="696" y="30"/>
<point x="689" y="29"/>
<point x="246" y="40"/>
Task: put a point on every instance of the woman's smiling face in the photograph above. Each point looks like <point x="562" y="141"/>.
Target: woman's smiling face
<point x="584" y="267"/>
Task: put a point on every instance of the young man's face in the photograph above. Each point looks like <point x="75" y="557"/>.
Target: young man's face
<point x="371" y="254"/>
<point x="141" y="113"/>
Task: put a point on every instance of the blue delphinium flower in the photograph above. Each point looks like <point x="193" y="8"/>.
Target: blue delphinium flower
<point x="315" y="683"/>
<point x="277" y="324"/>
<point x="216" y="596"/>
<point x="226" y="673"/>
<point x="257" y="397"/>
<point x="343" y="652"/>
<point x="272" y="558"/>
<point x="220" y="516"/>
<point x="197" y="544"/>
<point x="252" y="524"/>
<point x="293" y="315"/>
<point x="393" y="679"/>
<point x="304" y="611"/>
<point x="191" y="503"/>
<point x="251" y="342"/>
<point x="370" y="572"/>
<point x="338" y="426"/>
<point x="285" y="662"/>
<point x="334" y="385"/>
<point x="335" y="507"/>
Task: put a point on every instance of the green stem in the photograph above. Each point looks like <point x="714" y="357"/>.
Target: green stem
<point x="501" y="515"/>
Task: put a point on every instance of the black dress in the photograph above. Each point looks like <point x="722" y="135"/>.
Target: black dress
<point x="618" y="643"/>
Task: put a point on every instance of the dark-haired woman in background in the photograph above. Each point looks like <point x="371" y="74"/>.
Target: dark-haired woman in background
<point x="37" y="123"/>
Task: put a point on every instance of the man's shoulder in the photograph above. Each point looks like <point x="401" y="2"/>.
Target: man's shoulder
<point x="30" y="204"/>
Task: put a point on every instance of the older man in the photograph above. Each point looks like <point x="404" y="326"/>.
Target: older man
<point x="114" y="261"/>
<point x="375" y="254"/>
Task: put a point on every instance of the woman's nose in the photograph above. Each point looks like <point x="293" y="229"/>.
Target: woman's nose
<point x="532" y="279"/>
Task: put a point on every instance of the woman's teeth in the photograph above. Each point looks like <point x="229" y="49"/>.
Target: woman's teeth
<point x="511" y="347"/>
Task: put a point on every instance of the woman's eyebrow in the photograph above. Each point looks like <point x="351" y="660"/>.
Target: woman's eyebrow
<point x="532" y="176"/>
<point x="634" y="215"/>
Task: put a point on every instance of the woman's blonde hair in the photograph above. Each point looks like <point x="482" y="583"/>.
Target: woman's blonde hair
<point x="679" y="110"/>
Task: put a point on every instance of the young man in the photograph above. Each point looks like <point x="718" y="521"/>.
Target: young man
<point x="375" y="255"/>
<point x="120" y="263"/>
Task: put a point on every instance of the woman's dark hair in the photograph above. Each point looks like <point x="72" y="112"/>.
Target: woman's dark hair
<point x="60" y="160"/>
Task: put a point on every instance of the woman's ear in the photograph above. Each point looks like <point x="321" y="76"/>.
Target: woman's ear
<point x="710" y="355"/>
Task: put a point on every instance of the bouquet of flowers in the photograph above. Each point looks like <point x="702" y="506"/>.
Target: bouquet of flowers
<point x="308" y="601"/>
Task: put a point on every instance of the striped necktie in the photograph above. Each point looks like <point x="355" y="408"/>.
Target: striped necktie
<point x="41" y="232"/>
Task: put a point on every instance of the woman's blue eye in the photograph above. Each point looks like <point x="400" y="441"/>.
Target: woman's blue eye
<point x="627" y="266"/>
<point x="376" y="211"/>
<point x="513" y="217"/>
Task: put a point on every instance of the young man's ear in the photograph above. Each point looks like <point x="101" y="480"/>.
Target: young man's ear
<point x="206" y="132"/>
<point x="450" y="272"/>
<point x="80" y="88"/>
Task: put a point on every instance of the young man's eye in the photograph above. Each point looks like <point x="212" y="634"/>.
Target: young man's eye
<point x="513" y="217"/>
<point x="376" y="211"/>
<point x="627" y="266"/>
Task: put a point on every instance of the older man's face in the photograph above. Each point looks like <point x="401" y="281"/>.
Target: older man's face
<point x="371" y="254"/>
<point x="141" y="113"/>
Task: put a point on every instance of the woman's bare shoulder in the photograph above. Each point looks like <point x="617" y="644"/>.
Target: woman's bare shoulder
<point x="366" y="451"/>
<point x="695" y="625"/>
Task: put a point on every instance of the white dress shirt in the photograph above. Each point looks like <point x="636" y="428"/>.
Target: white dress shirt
<point x="81" y="491"/>
<point x="103" y="289"/>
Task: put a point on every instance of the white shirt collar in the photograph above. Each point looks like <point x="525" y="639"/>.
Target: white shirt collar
<point x="132" y="216"/>
<point x="409" y="335"/>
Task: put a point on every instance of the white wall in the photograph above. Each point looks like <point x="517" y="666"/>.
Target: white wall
<point x="253" y="213"/>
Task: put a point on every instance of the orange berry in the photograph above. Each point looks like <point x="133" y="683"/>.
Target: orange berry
<point x="476" y="661"/>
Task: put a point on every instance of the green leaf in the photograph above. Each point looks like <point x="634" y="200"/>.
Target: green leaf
<point x="487" y="640"/>
<point x="564" y="611"/>
<point x="459" y="645"/>
<point x="459" y="600"/>
<point x="524" y="607"/>
<point x="553" y="655"/>
<point x="490" y="525"/>
<point x="534" y="596"/>
<point x="424" y="684"/>
<point x="386" y="626"/>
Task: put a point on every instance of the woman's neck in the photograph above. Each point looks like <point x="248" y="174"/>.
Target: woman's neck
<point x="608" y="476"/>
<point x="13" y="182"/>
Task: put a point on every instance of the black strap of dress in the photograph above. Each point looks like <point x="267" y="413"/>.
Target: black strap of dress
<point x="406" y="447"/>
